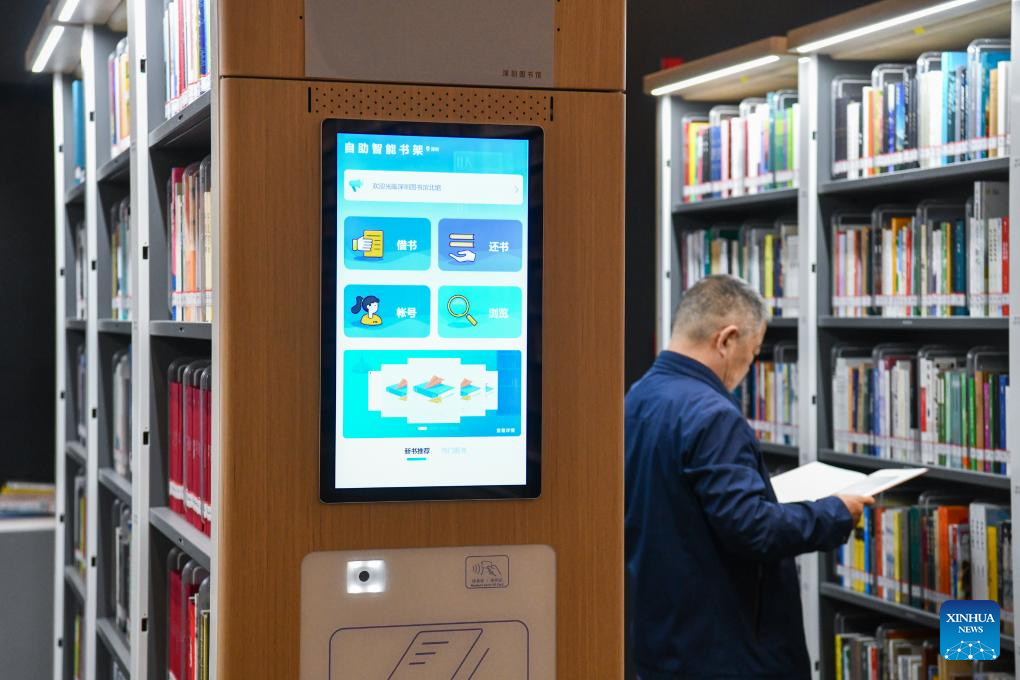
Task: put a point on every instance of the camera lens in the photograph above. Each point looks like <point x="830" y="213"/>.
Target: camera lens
<point x="364" y="576"/>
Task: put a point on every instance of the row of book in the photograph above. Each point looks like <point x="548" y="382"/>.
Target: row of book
<point x="123" y="461"/>
<point x="120" y="259"/>
<point x="187" y="52"/>
<point x="189" y="219"/>
<point x="932" y="405"/>
<point x="78" y="538"/>
<point x="765" y="254"/>
<point x="119" y="78"/>
<point x="768" y="395"/>
<point x="190" y="428"/>
<point x="26" y="499"/>
<point x="738" y="150"/>
<point x="187" y="618"/>
<point x="947" y="107"/>
<point x="869" y="648"/>
<point x="938" y="259"/>
<point x="921" y="553"/>
<point x="120" y="569"/>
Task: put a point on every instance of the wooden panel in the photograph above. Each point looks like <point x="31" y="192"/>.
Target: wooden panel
<point x="269" y="41"/>
<point x="270" y="515"/>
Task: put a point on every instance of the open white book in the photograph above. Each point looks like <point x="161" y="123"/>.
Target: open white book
<point x="818" y="480"/>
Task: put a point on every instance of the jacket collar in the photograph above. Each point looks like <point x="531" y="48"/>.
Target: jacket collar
<point x="675" y="363"/>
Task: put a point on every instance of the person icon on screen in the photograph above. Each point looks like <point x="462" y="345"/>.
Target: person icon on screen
<point x="370" y="305"/>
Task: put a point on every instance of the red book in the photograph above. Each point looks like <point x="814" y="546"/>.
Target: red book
<point x="947" y="514"/>
<point x="175" y="455"/>
<point x="173" y="665"/>
<point x="207" y="450"/>
<point x="192" y="434"/>
<point x="1005" y="262"/>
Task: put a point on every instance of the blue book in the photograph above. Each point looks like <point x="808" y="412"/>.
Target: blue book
<point x="203" y="46"/>
<point x="433" y="392"/>
<point x="78" y="114"/>
<point x="868" y="517"/>
<point x="959" y="264"/>
<point x="950" y="62"/>
<point x="900" y="141"/>
<point x="468" y="390"/>
<point x="398" y="390"/>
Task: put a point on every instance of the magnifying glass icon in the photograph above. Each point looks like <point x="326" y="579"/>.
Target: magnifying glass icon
<point x="460" y="299"/>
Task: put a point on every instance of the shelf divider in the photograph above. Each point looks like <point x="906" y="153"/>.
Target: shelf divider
<point x="182" y="534"/>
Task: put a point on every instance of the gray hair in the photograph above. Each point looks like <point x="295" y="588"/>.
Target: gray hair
<point x="717" y="301"/>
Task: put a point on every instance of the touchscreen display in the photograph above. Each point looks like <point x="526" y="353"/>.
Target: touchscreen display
<point x="431" y="311"/>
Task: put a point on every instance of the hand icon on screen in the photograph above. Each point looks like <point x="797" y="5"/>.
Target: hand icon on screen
<point x="464" y="256"/>
<point x="363" y="244"/>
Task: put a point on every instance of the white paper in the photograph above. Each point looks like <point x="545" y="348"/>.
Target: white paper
<point x="818" y="480"/>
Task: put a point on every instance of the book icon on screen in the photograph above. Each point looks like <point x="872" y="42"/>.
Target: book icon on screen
<point x="434" y="389"/>
<point x="369" y="244"/>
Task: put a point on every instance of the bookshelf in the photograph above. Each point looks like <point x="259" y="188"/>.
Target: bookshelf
<point x="138" y="322"/>
<point x="845" y="44"/>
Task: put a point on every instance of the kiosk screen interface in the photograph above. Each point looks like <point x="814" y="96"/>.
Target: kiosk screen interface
<point x="434" y="252"/>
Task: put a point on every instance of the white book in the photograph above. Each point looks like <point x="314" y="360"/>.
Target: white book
<point x="724" y="151"/>
<point x="738" y="132"/>
<point x="981" y="515"/>
<point x="993" y="229"/>
<point x="1005" y="68"/>
<point x="977" y="300"/>
<point x="817" y="480"/>
<point x="841" y="398"/>
<point x="935" y="115"/>
<point x="922" y="116"/>
<point x="853" y="138"/>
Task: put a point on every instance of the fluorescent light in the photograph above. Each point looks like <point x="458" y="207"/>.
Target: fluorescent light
<point x="882" y="25"/>
<point x="67" y="11"/>
<point x="50" y="44"/>
<point x="715" y="75"/>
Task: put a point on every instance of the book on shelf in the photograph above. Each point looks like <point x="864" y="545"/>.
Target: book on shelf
<point x="78" y="131"/>
<point x="120" y="259"/>
<point x="932" y="405"/>
<point x="26" y="499"/>
<point x="123" y="462"/>
<point x="78" y="541"/>
<point x="190" y="452"/>
<point x="938" y="259"/>
<point x="187" y="51"/>
<point x="920" y="552"/>
<point x="119" y="79"/>
<point x="189" y="202"/>
<point x="81" y="271"/>
<point x="120" y="573"/>
<point x="740" y="150"/>
<point x="764" y="254"/>
<point x="944" y="108"/>
<point x="768" y="395"/>
<point x="188" y="614"/>
<point x="867" y="647"/>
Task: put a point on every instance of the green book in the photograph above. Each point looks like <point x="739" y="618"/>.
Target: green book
<point x="971" y="423"/>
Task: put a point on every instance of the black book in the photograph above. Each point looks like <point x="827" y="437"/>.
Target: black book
<point x="839" y="147"/>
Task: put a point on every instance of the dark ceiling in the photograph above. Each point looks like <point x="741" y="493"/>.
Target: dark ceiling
<point x="20" y="18"/>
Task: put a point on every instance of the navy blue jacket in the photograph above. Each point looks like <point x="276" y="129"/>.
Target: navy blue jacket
<point x="709" y="550"/>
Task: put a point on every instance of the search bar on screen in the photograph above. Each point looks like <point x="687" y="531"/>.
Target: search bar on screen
<point x="396" y="186"/>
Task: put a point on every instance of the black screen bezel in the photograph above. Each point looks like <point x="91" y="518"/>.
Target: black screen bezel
<point x="328" y="493"/>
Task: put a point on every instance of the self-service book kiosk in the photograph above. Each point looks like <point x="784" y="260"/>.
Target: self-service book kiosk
<point x="430" y="390"/>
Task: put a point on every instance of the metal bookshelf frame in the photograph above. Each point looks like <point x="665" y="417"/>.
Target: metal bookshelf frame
<point x="816" y="330"/>
<point x="138" y="173"/>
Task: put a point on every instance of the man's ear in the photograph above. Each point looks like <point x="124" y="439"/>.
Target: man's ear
<point x="727" y="336"/>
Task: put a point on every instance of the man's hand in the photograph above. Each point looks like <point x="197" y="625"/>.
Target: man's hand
<point x="855" y="504"/>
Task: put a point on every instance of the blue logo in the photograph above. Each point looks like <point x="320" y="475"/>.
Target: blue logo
<point x="969" y="630"/>
<point x="355" y="185"/>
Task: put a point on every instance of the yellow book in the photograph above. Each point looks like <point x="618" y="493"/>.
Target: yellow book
<point x="859" y="547"/>
<point x="692" y="151"/>
<point x="993" y="563"/>
<point x="770" y="264"/>
<point x="770" y="395"/>
<point x="839" y="657"/>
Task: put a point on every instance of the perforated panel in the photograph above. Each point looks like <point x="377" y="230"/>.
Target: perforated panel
<point x="417" y="103"/>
